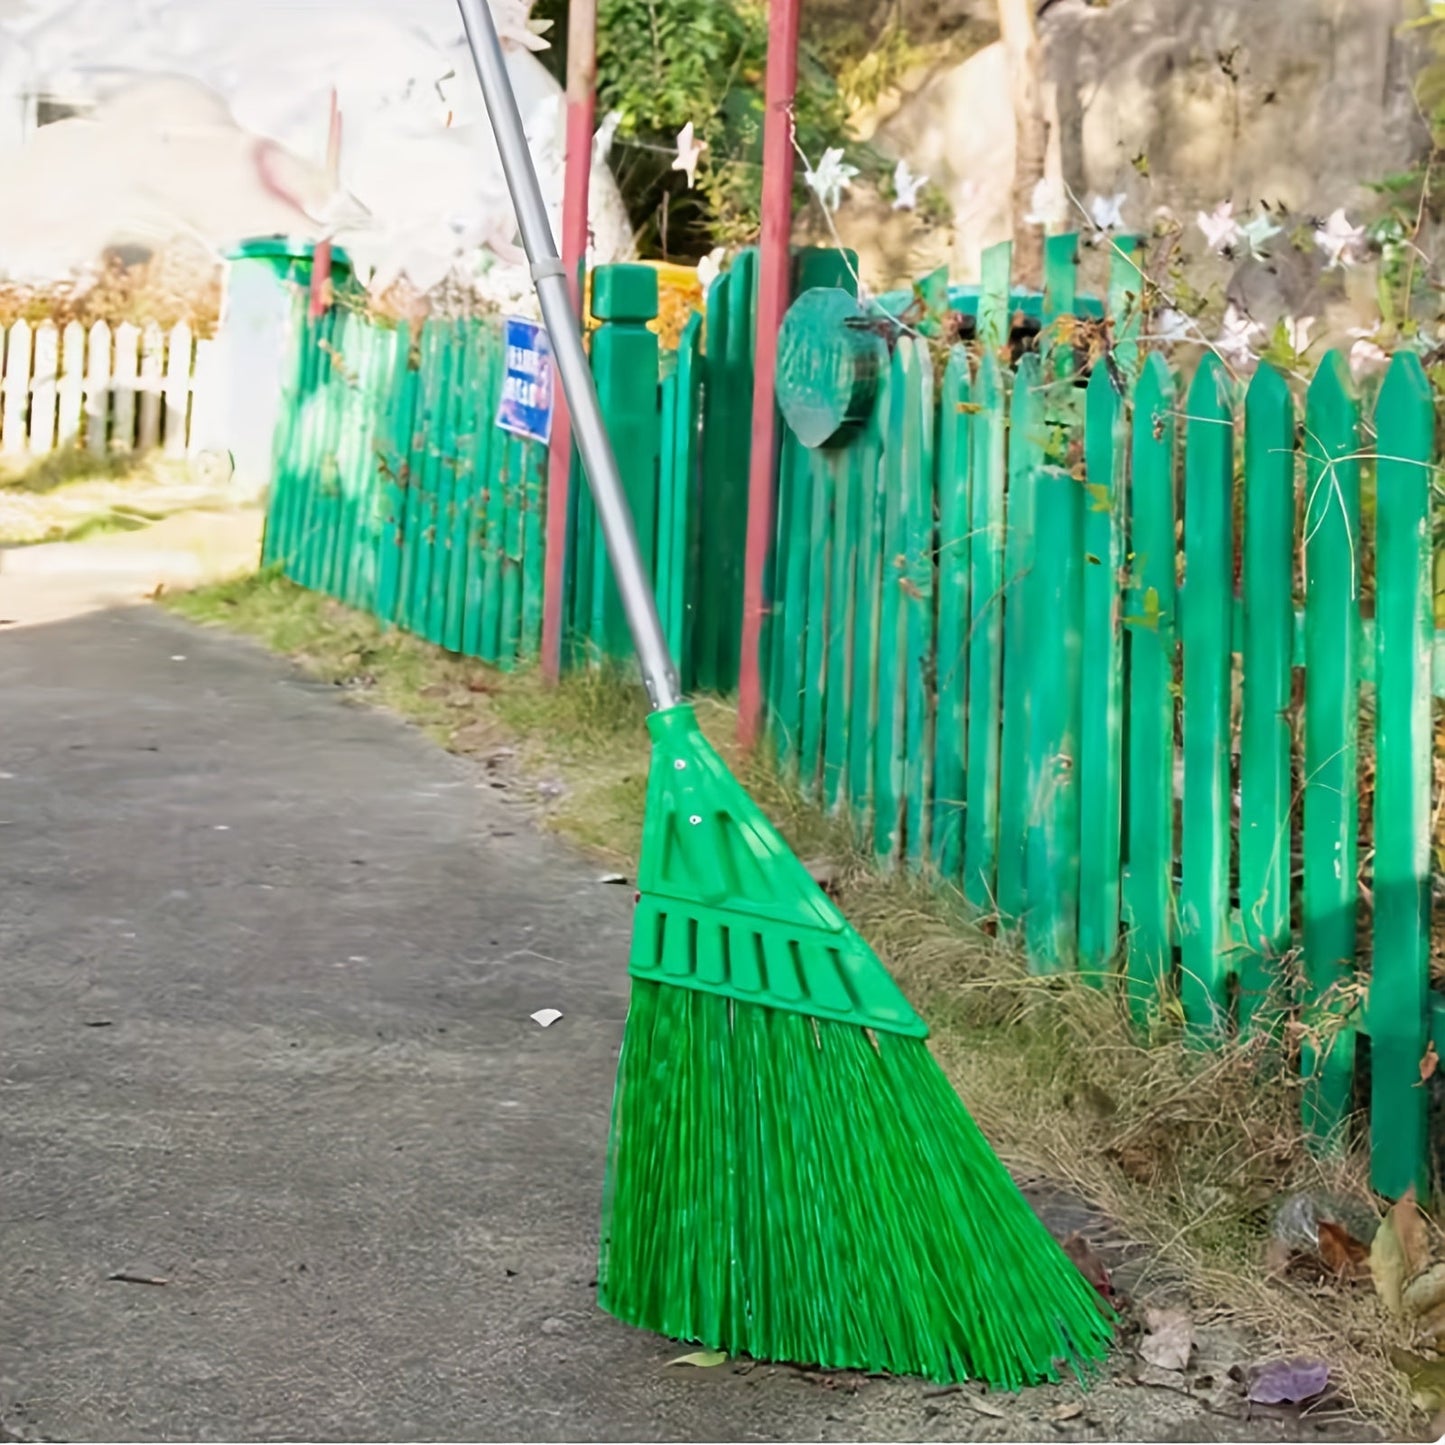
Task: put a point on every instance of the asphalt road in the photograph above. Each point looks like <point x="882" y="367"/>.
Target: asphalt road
<point x="267" y="961"/>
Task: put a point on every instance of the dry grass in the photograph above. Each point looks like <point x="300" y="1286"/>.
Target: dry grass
<point x="1186" y="1150"/>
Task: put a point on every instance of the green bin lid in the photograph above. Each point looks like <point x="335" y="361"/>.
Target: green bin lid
<point x="283" y="248"/>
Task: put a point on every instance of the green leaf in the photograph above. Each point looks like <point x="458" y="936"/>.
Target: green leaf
<point x="1149" y="618"/>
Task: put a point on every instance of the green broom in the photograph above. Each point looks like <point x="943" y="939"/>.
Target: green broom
<point x="790" y="1174"/>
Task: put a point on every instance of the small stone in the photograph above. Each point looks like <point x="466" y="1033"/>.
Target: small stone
<point x="554" y="1326"/>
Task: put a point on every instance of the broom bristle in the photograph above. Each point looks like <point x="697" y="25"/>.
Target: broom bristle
<point x="803" y="1190"/>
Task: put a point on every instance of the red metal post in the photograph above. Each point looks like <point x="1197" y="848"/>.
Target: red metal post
<point x="581" y="113"/>
<point x="774" y="264"/>
<point x="321" y="256"/>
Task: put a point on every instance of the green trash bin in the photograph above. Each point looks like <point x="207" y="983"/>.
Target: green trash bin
<point x="258" y="305"/>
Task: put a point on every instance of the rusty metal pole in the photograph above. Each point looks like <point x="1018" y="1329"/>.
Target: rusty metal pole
<point x="321" y="252"/>
<point x="581" y="114"/>
<point x="774" y="267"/>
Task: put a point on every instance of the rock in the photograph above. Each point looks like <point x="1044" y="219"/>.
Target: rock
<point x="1300" y="105"/>
<point x="1295" y="1219"/>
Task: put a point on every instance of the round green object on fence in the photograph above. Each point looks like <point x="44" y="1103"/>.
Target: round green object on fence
<point x="827" y="369"/>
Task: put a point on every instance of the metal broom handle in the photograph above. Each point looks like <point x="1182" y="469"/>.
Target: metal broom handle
<point x="565" y="334"/>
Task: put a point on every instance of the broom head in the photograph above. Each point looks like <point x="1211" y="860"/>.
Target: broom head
<point x="790" y="1174"/>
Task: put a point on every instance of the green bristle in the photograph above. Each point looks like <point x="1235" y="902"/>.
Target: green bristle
<point x="799" y="1189"/>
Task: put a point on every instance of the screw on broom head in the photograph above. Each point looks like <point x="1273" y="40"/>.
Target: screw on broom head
<point x="790" y="1174"/>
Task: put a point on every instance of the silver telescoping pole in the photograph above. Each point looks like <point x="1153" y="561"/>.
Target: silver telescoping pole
<point x="565" y="334"/>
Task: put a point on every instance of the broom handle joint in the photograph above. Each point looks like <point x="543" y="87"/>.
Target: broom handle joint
<point x="598" y="459"/>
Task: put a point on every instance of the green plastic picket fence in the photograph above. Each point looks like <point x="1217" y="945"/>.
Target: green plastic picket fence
<point x="394" y="491"/>
<point x="1081" y="636"/>
<point x="1021" y="641"/>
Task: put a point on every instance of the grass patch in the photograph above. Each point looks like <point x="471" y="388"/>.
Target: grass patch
<point x="69" y="465"/>
<point x="1187" y="1151"/>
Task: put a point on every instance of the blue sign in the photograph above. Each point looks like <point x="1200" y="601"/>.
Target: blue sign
<point x="526" y="408"/>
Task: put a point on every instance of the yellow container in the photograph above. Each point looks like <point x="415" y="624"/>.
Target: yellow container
<point x="679" y="295"/>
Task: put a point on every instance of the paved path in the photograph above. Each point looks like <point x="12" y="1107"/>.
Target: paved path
<point x="266" y="963"/>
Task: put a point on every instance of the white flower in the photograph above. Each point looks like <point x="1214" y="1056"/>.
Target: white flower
<point x="1367" y="353"/>
<point x="1235" y="336"/>
<point x="906" y="187"/>
<point x="1339" y="240"/>
<point x="1171" y="325"/>
<point x="1297" y="333"/>
<point x="710" y="268"/>
<point x="1257" y="232"/>
<point x="830" y="178"/>
<point x="689" y="152"/>
<point x="1107" y="212"/>
<point x="515" y="27"/>
<point x="1047" y="206"/>
<point x="1221" y="230"/>
<point x="606" y="134"/>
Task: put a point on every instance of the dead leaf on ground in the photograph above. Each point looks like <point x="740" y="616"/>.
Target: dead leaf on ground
<point x="824" y="872"/>
<point x="1170" y="1340"/>
<point x="1088" y="1263"/>
<point x="1413" y="1232"/>
<point x="1341" y="1253"/>
<point x="701" y="1359"/>
<point x="1289" y="1382"/>
<point x="1431" y="1327"/>
<point x="1387" y="1266"/>
<point x="1425" y="1294"/>
<point x="1429" y="1063"/>
<point x="481" y="684"/>
<point x="982" y="1407"/>
<point x="1426" y="1377"/>
<point x="1071" y="1411"/>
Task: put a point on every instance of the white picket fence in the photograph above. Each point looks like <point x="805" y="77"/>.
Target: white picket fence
<point x="131" y="388"/>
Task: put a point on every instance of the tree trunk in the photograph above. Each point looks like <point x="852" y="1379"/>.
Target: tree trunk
<point x="1021" y="44"/>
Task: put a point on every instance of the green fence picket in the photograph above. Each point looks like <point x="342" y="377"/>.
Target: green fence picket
<point x="488" y="458"/>
<point x="313" y="455"/>
<point x="890" y="739"/>
<point x="1399" y="1009"/>
<point x="1127" y="292"/>
<point x="1331" y="799"/>
<point x="534" y="559"/>
<point x="396" y="473"/>
<point x="1050" y="795"/>
<point x="1206" y="647"/>
<point x="1267" y="646"/>
<point x="421" y="501"/>
<point x="353" y="447"/>
<point x="956" y="410"/>
<point x="813" y="692"/>
<point x="995" y="313"/>
<point x="389" y="365"/>
<point x="1150" y="631"/>
<point x="918" y="559"/>
<point x="334" y="431"/>
<point x="676" y="492"/>
<point x="1026" y="443"/>
<point x="787" y="638"/>
<point x="509" y="642"/>
<point x="845" y="481"/>
<point x="1061" y="277"/>
<point x="1101" y="724"/>
<point x="868" y="510"/>
<point x="985" y="635"/>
